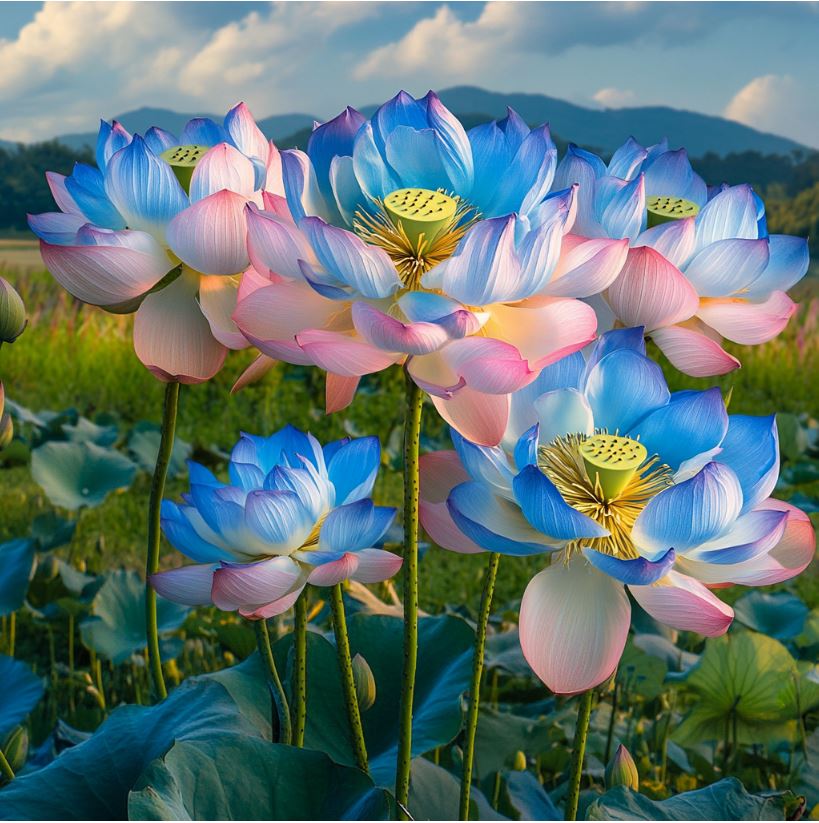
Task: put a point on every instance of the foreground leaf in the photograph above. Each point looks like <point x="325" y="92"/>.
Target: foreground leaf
<point x="16" y="567"/>
<point x="20" y="692"/>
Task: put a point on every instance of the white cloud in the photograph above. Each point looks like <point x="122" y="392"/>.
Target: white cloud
<point x="615" y="98"/>
<point x="777" y="103"/>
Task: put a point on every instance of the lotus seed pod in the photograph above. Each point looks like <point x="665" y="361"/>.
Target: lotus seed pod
<point x="665" y="209"/>
<point x="364" y="683"/>
<point x="611" y="461"/>
<point x="15" y="748"/>
<point x="12" y="313"/>
<point x="6" y="431"/>
<point x="622" y="771"/>
<point x="520" y="761"/>
<point x="420" y="212"/>
<point x="183" y="160"/>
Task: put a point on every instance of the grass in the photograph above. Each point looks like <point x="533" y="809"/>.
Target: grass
<point x="77" y="356"/>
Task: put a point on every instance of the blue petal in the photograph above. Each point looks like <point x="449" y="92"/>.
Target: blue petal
<point x="111" y="138"/>
<point x="329" y="140"/>
<point x="184" y="538"/>
<point x="86" y="186"/>
<point x="626" y="161"/>
<point x="374" y="176"/>
<point x="732" y="213"/>
<point x="56" y="227"/>
<point x="527" y="179"/>
<point x="353" y="469"/>
<point x="312" y="489"/>
<point x="456" y="153"/>
<point x="636" y="572"/>
<point x="751" y="448"/>
<point x="331" y="448"/>
<point x="632" y="339"/>
<point x="279" y="518"/>
<point x="526" y="447"/>
<point x="491" y="154"/>
<point x="418" y="158"/>
<point x="201" y="475"/>
<point x="620" y="206"/>
<point x="486" y="464"/>
<point x="245" y="475"/>
<point x="159" y="140"/>
<point x="401" y="110"/>
<point x="493" y="522"/>
<point x="544" y="507"/>
<point x="584" y="168"/>
<point x="359" y="525"/>
<point x="624" y="387"/>
<point x="345" y="189"/>
<point x="692" y="423"/>
<point x="285" y="447"/>
<point x="514" y="129"/>
<point x="202" y="131"/>
<point x="690" y="513"/>
<point x="671" y="175"/>
<point x="754" y="534"/>
<point x="561" y="412"/>
<point x="301" y="187"/>
<point x="788" y="261"/>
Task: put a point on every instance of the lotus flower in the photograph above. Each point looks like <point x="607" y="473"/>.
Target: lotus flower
<point x="158" y="227"/>
<point x="626" y="486"/>
<point x="293" y="513"/>
<point x="405" y="239"/>
<point x="702" y="266"/>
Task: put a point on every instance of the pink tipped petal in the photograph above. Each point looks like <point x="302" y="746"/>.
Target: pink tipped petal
<point x="796" y="548"/>
<point x="251" y="585"/>
<point x="328" y="574"/>
<point x="745" y="322"/>
<point x="439" y="473"/>
<point x="339" y="392"/>
<point x="479" y="417"/>
<point x="210" y="236"/>
<point x="275" y="608"/>
<point x="392" y="335"/>
<point x="275" y="244"/>
<point x="189" y="585"/>
<point x="244" y="132"/>
<point x="344" y="355"/>
<point x="65" y="202"/>
<point x="375" y="565"/>
<point x="683" y="603"/>
<point x="693" y="353"/>
<point x="173" y="339"/>
<point x="274" y="182"/>
<point x="276" y="205"/>
<point x="574" y="622"/>
<point x="253" y="373"/>
<point x="108" y="275"/>
<point x="651" y="292"/>
<point x="587" y="267"/>
<point x="223" y="167"/>
<point x="217" y="299"/>
<point x="489" y="365"/>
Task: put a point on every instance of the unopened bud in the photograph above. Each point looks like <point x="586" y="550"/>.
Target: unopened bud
<point x="364" y="683"/>
<point x="622" y="771"/>
<point x="6" y="430"/>
<point x="520" y="761"/>
<point x="15" y="748"/>
<point x="12" y="313"/>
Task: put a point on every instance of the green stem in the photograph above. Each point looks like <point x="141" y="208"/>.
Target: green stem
<point x="345" y="665"/>
<point x="163" y="459"/>
<point x="12" y="633"/>
<point x="581" y="732"/>
<point x="412" y="436"/>
<point x="475" y="686"/>
<point x="300" y="669"/>
<point x="612" y="720"/>
<point x="282" y="734"/>
<point x="5" y="767"/>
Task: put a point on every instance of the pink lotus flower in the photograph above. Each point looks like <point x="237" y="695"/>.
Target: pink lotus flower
<point x="158" y="227"/>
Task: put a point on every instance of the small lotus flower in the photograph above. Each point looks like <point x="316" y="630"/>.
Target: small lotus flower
<point x="623" y="484"/>
<point x="405" y="239"/>
<point x="293" y="513"/>
<point x="364" y="683"/>
<point x="158" y="227"/>
<point x="622" y="771"/>
<point x="702" y="265"/>
<point x="12" y="313"/>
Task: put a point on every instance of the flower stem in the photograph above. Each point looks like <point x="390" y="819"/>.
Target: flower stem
<point x="5" y="767"/>
<point x="300" y="669"/>
<point x="475" y="686"/>
<point x="163" y="459"/>
<point x="581" y="732"/>
<point x="412" y="436"/>
<point x="345" y="665"/>
<point x="281" y="731"/>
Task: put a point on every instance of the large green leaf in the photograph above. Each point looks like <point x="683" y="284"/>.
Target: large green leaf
<point x="435" y="795"/>
<point x="726" y="800"/>
<point x="86" y="431"/>
<point x="529" y="799"/>
<point x="807" y="782"/>
<point x="234" y="777"/>
<point x="117" y="628"/>
<point x="19" y="693"/>
<point x="742" y="676"/>
<point x="779" y="614"/>
<point x="501" y="735"/>
<point x="17" y="565"/>
<point x="91" y="781"/>
<point x="74" y="475"/>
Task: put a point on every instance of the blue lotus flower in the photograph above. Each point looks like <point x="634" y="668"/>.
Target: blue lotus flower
<point x="293" y="513"/>
<point x="626" y="485"/>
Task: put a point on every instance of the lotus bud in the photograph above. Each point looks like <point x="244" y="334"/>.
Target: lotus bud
<point x="364" y="683"/>
<point x="15" y="748"/>
<point x="12" y="313"/>
<point x="519" y="764"/>
<point x="6" y="430"/>
<point x="622" y="771"/>
<point x="230" y="658"/>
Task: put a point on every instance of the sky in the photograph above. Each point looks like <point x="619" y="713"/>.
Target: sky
<point x="63" y="65"/>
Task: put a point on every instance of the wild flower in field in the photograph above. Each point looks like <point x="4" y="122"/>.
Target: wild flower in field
<point x="293" y="513"/>
<point x="158" y="227"/>
<point x="701" y="267"/>
<point x="408" y="240"/>
<point x="626" y="485"/>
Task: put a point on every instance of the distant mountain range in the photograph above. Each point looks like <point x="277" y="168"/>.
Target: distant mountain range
<point x="604" y="129"/>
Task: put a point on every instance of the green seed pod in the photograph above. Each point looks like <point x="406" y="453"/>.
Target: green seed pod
<point x="15" y="748"/>
<point x="12" y="313"/>
<point x="364" y="683"/>
<point x="622" y="771"/>
<point x="519" y="764"/>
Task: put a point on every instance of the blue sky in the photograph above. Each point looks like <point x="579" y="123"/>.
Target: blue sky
<point x="63" y="65"/>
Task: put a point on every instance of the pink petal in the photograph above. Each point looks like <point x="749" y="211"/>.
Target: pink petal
<point x="692" y="352"/>
<point x="339" y="392"/>
<point x="66" y="203"/>
<point x="276" y="204"/>
<point x="683" y="603"/>
<point x="651" y="292"/>
<point x="675" y="240"/>
<point x="275" y="244"/>
<point x="376" y="565"/>
<point x="189" y="585"/>
<point x="210" y="236"/>
<point x="488" y="365"/>
<point x="574" y="622"/>
<point x="223" y="167"/>
<point x="796" y="548"/>
<point x="434" y="374"/>
<point x="392" y="335"/>
<point x="277" y="607"/>
<point x="586" y="267"/>
<point x="253" y="373"/>
<point x="328" y="574"/>
<point x="217" y="299"/>
<point x="344" y="355"/>
<point x="748" y="322"/>
<point x="274" y="182"/>
<point x="479" y="417"/>
<point x="173" y="339"/>
<point x="439" y="473"/>
<point x="108" y="275"/>
<point x="249" y="586"/>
